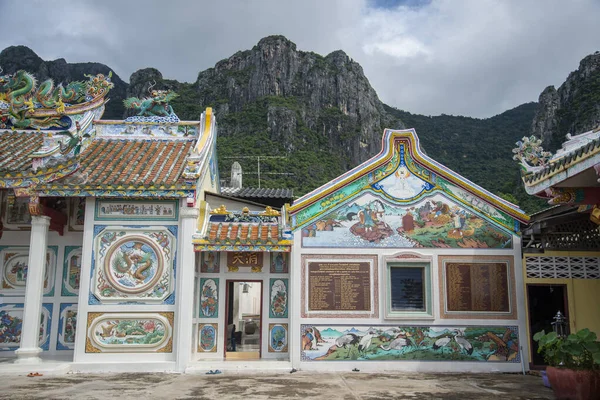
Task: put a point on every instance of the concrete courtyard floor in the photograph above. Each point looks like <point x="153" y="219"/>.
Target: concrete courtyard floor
<point x="300" y="385"/>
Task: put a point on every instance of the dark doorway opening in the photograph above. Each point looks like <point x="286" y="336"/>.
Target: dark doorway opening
<point x="243" y="336"/>
<point x="544" y="302"/>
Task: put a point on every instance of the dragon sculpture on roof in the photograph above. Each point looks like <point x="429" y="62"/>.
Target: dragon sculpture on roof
<point x="26" y="105"/>
<point x="157" y="105"/>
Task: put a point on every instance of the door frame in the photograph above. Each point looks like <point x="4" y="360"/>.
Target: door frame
<point x="260" y="338"/>
<point x="565" y="313"/>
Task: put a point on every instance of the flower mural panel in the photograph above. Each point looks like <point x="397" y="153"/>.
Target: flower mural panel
<point x="207" y="338"/>
<point x="130" y="332"/>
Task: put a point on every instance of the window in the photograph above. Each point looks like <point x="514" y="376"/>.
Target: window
<point x="409" y="290"/>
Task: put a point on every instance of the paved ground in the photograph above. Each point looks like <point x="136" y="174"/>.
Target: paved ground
<point x="300" y="385"/>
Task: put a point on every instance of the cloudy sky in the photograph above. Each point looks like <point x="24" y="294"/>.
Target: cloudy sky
<point x="464" y="57"/>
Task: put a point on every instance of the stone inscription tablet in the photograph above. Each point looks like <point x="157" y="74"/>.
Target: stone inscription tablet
<point x="339" y="286"/>
<point x="477" y="287"/>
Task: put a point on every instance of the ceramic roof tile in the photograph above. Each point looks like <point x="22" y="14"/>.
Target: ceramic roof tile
<point x="258" y="193"/>
<point x="135" y="163"/>
<point x="15" y="147"/>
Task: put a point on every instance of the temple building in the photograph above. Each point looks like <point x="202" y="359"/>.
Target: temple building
<point x="402" y="261"/>
<point x="120" y="252"/>
<point x="561" y="245"/>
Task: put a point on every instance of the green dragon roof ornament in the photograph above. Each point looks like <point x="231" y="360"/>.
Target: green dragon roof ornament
<point x="155" y="108"/>
<point x="25" y="105"/>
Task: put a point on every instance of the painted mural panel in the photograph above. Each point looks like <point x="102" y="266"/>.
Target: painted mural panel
<point x="67" y="327"/>
<point x="14" y="267"/>
<point x="207" y="338"/>
<point x="76" y="213"/>
<point x="210" y="262"/>
<point x="118" y="210"/>
<point x="278" y="306"/>
<point x="209" y="298"/>
<point x="71" y="271"/>
<point x="410" y="343"/>
<point x="134" y="264"/>
<point x="11" y="325"/>
<point x="278" y="338"/>
<point x="279" y="263"/>
<point x="130" y="332"/>
<point x="433" y="222"/>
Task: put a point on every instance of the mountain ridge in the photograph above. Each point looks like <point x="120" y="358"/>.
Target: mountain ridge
<point x="318" y="113"/>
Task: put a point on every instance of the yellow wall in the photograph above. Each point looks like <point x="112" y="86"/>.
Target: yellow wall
<point x="583" y="295"/>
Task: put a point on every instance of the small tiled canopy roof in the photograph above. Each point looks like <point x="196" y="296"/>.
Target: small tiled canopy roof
<point x="15" y="148"/>
<point x="258" y="193"/>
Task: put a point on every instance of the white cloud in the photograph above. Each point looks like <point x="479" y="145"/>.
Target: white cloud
<point x="470" y="57"/>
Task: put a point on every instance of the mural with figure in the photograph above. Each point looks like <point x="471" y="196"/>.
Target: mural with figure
<point x="71" y="271"/>
<point x="279" y="298"/>
<point x="209" y="298"/>
<point x="14" y="266"/>
<point x="434" y="221"/>
<point x="67" y="326"/>
<point x="11" y="325"/>
<point x="418" y="343"/>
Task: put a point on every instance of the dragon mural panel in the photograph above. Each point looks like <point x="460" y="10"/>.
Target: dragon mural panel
<point x="134" y="264"/>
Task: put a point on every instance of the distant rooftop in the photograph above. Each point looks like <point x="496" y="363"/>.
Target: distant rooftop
<point x="258" y="193"/>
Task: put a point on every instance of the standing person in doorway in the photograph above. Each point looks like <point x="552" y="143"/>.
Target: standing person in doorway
<point x="233" y="338"/>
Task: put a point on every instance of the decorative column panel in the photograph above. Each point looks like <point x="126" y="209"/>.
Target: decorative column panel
<point x="29" y="349"/>
<point x="185" y="290"/>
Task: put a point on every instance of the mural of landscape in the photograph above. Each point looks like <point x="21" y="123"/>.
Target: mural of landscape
<point x="433" y="222"/>
<point x="418" y="343"/>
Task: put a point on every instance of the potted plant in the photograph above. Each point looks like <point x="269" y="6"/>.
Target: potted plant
<point x="573" y="363"/>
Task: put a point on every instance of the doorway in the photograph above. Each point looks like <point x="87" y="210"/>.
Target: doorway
<point x="243" y="316"/>
<point x="544" y="301"/>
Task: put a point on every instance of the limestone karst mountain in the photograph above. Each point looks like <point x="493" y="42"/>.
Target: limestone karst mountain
<point x="320" y="116"/>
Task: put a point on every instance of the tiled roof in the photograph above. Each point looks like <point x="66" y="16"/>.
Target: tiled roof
<point x="572" y="158"/>
<point x="258" y="193"/>
<point x="242" y="233"/>
<point x="15" y="147"/>
<point x="133" y="163"/>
